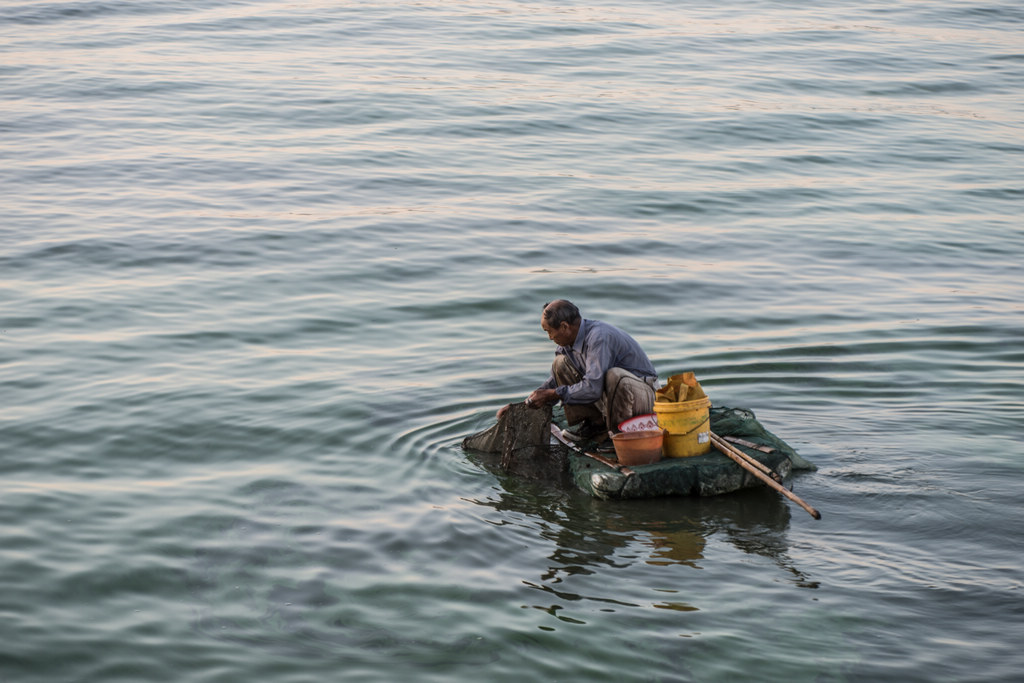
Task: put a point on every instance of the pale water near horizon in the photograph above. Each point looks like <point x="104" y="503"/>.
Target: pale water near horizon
<point x="264" y="264"/>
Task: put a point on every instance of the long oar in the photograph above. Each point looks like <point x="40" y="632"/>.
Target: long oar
<point x="744" y="461"/>
<point x="716" y="439"/>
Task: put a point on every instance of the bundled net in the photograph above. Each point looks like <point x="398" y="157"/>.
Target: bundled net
<point x="523" y="438"/>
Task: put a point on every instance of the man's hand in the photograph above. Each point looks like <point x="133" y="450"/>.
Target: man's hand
<point x="538" y="398"/>
<point x="542" y="397"/>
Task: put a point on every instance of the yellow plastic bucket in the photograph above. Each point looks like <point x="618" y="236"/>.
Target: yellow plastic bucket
<point x="688" y="425"/>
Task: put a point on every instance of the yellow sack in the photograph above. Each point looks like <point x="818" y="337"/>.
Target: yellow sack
<point x="679" y="388"/>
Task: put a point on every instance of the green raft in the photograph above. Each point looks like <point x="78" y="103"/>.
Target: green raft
<point x="600" y="476"/>
<point x="710" y="474"/>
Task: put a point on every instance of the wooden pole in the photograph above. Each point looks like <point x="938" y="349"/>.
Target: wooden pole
<point x="716" y="440"/>
<point x="741" y="459"/>
<point x="749" y="444"/>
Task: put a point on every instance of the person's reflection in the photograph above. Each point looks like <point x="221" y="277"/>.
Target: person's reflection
<point x="682" y="546"/>
<point x="589" y="534"/>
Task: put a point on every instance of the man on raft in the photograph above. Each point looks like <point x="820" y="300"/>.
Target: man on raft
<point x="600" y="373"/>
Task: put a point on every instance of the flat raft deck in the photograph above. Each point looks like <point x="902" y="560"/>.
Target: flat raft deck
<point x="710" y="474"/>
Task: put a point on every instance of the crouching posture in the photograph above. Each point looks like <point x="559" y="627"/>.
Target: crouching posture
<point x="600" y="373"/>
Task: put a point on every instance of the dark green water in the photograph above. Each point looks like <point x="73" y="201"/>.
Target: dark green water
<point x="264" y="264"/>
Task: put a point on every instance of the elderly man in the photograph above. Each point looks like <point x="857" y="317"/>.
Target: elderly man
<point x="600" y="373"/>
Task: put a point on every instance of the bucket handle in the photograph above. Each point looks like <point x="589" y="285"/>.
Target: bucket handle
<point x="692" y="430"/>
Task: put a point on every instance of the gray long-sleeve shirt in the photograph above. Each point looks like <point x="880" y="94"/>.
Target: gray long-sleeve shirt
<point x="598" y="348"/>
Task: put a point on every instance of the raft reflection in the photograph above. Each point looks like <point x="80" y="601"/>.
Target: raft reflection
<point x="590" y="535"/>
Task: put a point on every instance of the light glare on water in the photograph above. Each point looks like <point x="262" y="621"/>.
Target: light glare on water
<point x="263" y="265"/>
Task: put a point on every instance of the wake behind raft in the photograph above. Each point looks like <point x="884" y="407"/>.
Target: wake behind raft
<point x="531" y="444"/>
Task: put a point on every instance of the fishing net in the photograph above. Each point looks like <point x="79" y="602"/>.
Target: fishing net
<point x="522" y="436"/>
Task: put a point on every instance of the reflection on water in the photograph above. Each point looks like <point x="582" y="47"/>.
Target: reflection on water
<point x="591" y="535"/>
<point x="297" y="250"/>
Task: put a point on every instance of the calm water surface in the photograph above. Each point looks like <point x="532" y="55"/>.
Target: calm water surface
<point x="263" y="264"/>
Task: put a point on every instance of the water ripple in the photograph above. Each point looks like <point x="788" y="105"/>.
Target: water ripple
<point x="265" y="264"/>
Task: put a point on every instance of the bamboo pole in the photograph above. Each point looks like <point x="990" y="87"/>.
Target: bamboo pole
<point x="717" y="441"/>
<point x="740" y="459"/>
<point x="749" y="444"/>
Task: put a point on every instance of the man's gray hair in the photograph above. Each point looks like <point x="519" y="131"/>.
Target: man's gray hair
<point x="560" y="311"/>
